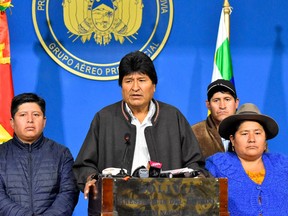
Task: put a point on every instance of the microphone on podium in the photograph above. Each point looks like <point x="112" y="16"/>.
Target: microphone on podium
<point x="122" y="172"/>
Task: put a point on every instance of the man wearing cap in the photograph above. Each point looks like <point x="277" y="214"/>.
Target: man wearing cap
<point x="222" y="101"/>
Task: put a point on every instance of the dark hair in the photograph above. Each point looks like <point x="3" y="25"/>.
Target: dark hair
<point x="235" y="127"/>
<point x="137" y="62"/>
<point x="27" y="98"/>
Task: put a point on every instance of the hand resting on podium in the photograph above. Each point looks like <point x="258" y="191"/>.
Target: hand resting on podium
<point x="91" y="187"/>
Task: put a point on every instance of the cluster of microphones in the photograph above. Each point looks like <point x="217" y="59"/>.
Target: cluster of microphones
<point x="153" y="170"/>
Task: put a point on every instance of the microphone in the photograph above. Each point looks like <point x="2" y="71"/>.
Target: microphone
<point x="154" y="169"/>
<point x="122" y="172"/>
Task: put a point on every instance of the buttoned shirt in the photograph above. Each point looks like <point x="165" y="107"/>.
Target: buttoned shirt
<point x="141" y="153"/>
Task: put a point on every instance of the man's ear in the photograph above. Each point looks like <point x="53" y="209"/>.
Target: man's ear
<point x="207" y="104"/>
<point x="237" y="103"/>
<point x="12" y="123"/>
<point x="45" y="120"/>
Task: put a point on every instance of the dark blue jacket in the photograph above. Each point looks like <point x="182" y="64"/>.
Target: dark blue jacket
<point x="36" y="179"/>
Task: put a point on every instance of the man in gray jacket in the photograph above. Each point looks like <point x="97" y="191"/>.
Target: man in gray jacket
<point x="148" y="129"/>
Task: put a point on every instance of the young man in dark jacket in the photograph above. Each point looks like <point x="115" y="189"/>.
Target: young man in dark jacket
<point x="36" y="175"/>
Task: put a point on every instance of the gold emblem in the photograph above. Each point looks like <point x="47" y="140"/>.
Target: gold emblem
<point x="121" y="21"/>
<point x="89" y="37"/>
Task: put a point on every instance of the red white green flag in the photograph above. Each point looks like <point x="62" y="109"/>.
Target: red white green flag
<point x="6" y="84"/>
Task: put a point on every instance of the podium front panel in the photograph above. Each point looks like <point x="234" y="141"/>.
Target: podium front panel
<point x="160" y="196"/>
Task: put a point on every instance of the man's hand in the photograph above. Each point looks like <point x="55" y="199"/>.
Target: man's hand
<point x="91" y="187"/>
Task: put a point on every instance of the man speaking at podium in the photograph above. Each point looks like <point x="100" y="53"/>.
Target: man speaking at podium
<point x="136" y="130"/>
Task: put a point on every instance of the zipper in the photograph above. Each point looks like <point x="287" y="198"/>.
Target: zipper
<point x="30" y="175"/>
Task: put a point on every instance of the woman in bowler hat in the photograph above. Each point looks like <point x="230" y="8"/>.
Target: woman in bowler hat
<point x="257" y="179"/>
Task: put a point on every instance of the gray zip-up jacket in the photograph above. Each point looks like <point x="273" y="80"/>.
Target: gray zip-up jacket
<point x="170" y="140"/>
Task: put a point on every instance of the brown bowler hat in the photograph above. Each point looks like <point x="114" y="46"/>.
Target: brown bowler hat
<point x="248" y="112"/>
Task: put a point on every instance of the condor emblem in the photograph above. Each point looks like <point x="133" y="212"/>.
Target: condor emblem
<point x="89" y="37"/>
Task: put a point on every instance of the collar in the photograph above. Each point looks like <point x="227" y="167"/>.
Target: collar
<point x="154" y="116"/>
<point x="22" y="145"/>
<point x="150" y="114"/>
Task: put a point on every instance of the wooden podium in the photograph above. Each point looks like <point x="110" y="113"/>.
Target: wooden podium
<point x="160" y="197"/>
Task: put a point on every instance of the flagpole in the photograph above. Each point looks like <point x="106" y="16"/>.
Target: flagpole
<point x="227" y="11"/>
